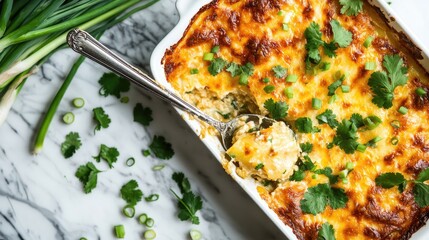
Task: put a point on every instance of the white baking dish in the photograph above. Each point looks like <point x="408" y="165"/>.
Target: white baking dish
<point x="187" y="9"/>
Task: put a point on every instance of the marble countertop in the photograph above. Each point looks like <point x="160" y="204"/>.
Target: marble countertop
<point x="40" y="198"/>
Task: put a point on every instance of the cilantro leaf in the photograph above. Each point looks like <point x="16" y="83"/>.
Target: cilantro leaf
<point x="313" y="35"/>
<point x="216" y="66"/>
<point x="102" y="119"/>
<point x="161" y="148"/>
<point x="306" y="147"/>
<point x="338" y="199"/>
<point x="234" y="69"/>
<point x="188" y="205"/>
<point x="109" y="154"/>
<point x="346" y="136"/>
<point x="389" y="180"/>
<point x="326" y="232"/>
<point x="327" y="171"/>
<point x="279" y="71"/>
<point x="329" y="49"/>
<point x="87" y="174"/>
<point x="303" y="165"/>
<point x="341" y="36"/>
<point x="317" y="198"/>
<point x="421" y="194"/>
<point x="247" y="69"/>
<point x="351" y="7"/>
<point x="383" y="84"/>
<point x="71" y="144"/>
<point x="131" y="193"/>
<point x="142" y="115"/>
<point x="328" y="117"/>
<point x="305" y="125"/>
<point x="297" y="175"/>
<point x="423" y="176"/>
<point x="357" y="120"/>
<point x="277" y="110"/>
<point x="334" y="86"/>
<point x="182" y="182"/>
<point x="112" y="84"/>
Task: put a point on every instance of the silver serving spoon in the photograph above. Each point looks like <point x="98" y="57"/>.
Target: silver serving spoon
<point x="83" y="43"/>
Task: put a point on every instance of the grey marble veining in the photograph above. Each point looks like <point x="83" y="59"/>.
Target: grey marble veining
<point x="41" y="199"/>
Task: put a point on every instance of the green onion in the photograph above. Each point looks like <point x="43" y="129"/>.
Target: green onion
<point x="343" y="174"/>
<point x="142" y="218"/>
<point x="345" y="180"/>
<point x="6" y="10"/>
<point x="281" y="13"/>
<point x="372" y="142"/>
<point x="194" y="71"/>
<point x="368" y="41"/>
<point x="285" y="26"/>
<point x="361" y="148"/>
<point x="152" y="198"/>
<point x="403" y="110"/>
<point x="83" y="238"/>
<point x="243" y="79"/>
<point x="289" y="92"/>
<point x="292" y="78"/>
<point x="325" y="66"/>
<point x="370" y="66"/>
<point x="371" y="122"/>
<point x="394" y="141"/>
<point x="395" y="124"/>
<point x="215" y="49"/>
<point x="420" y="91"/>
<point x="316" y="103"/>
<point x="269" y="88"/>
<point x="208" y="56"/>
<point x="149" y="234"/>
<point x="120" y="231"/>
<point x="146" y="152"/>
<point x="149" y="222"/>
<point x="333" y="98"/>
<point x="350" y="165"/>
<point x="68" y="118"/>
<point x="78" y="102"/>
<point x="130" y="162"/>
<point x="125" y="99"/>
<point x="314" y="176"/>
<point x="158" y="167"/>
<point x="259" y="166"/>
<point x="345" y="88"/>
<point x="266" y="80"/>
<point x="129" y="211"/>
<point x="195" y="234"/>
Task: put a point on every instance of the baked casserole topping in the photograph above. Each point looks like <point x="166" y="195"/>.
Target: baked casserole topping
<point x="350" y="89"/>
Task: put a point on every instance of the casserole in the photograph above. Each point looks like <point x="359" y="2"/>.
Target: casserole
<point x="249" y="184"/>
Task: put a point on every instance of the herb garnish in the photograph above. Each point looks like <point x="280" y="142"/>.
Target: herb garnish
<point x="277" y="110"/>
<point x="326" y="232"/>
<point x="161" y="148"/>
<point x="305" y="125"/>
<point x="87" y="174"/>
<point x="109" y="154"/>
<point x="189" y="204"/>
<point x="112" y="84"/>
<point x="328" y="117"/>
<point x="102" y="119"/>
<point x="71" y="144"/>
<point x="216" y="66"/>
<point x="351" y="7"/>
<point x="317" y="198"/>
<point x="346" y="136"/>
<point x="142" y="115"/>
<point x="306" y="147"/>
<point x="341" y="36"/>
<point x="131" y="193"/>
<point x="279" y="71"/>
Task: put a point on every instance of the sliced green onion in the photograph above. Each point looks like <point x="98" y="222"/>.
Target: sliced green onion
<point x="395" y="124"/>
<point x="194" y="71"/>
<point x="333" y="98"/>
<point x="78" y="102"/>
<point x="120" y="231"/>
<point x="125" y="99"/>
<point x="142" y="218"/>
<point x="149" y="222"/>
<point x="345" y="180"/>
<point x="149" y="234"/>
<point x="350" y="165"/>
<point x="266" y="80"/>
<point x="152" y="198"/>
<point x="68" y="118"/>
<point x="158" y="167"/>
<point x="208" y="56"/>
<point x="314" y="176"/>
<point x="345" y="88"/>
<point x="325" y="66"/>
<point x="243" y="79"/>
<point x="129" y="211"/>
<point x="343" y="174"/>
<point x="285" y="26"/>
<point x="403" y="110"/>
<point x="370" y="66"/>
<point x="281" y="13"/>
<point x="368" y="41"/>
<point x="361" y="148"/>
<point x="289" y="92"/>
<point x="215" y="49"/>
<point x="269" y="88"/>
<point x="339" y="75"/>
<point x="372" y="142"/>
<point x="83" y="238"/>
<point x="420" y="91"/>
<point x="292" y="78"/>
<point x="130" y="162"/>
<point x="371" y="122"/>
<point x="316" y="103"/>
<point x="146" y="152"/>
<point x="394" y="141"/>
<point x="195" y="234"/>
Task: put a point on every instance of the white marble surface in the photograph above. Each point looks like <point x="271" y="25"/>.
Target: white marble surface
<point x="41" y="199"/>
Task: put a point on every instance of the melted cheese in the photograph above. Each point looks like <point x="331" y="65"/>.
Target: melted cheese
<point x="251" y="31"/>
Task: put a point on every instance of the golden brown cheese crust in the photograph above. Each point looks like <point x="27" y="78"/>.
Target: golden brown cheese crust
<point x="251" y="31"/>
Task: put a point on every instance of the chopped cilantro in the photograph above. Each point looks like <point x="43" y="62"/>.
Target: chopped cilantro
<point x="341" y="36"/>
<point x="71" y="144"/>
<point x="189" y="204"/>
<point x="102" y="119"/>
<point x="277" y="110"/>
<point x="327" y="171"/>
<point x="351" y="7"/>
<point x="259" y="166"/>
<point x="87" y="174"/>
<point x="112" y="84"/>
<point x="194" y="71"/>
<point x="182" y="182"/>
<point x="329" y="49"/>
<point x="306" y="147"/>
<point x="216" y="66"/>
<point x="313" y="35"/>
<point x="142" y="115"/>
<point x="346" y="136"/>
<point x="108" y="154"/>
<point x="383" y="84"/>
<point x="389" y="180"/>
<point x="279" y="71"/>
<point x="131" y="193"/>
<point x="305" y="125"/>
<point x="269" y="88"/>
<point x="334" y="86"/>
<point x="161" y="148"/>
<point x="371" y="122"/>
<point x="357" y="119"/>
<point x="328" y="117"/>
<point x="243" y="71"/>
<point x="303" y="165"/>
<point x="326" y="232"/>
<point x="224" y="115"/>
<point x="234" y="69"/>
<point x="317" y="198"/>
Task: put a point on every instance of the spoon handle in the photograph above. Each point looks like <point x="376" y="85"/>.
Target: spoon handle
<point x="84" y="44"/>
